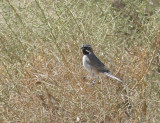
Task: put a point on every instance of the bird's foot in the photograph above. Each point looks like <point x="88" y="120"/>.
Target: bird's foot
<point x="84" y="78"/>
<point x="93" y="82"/>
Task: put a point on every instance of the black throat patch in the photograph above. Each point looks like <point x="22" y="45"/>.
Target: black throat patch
<point x="85" y="51"/>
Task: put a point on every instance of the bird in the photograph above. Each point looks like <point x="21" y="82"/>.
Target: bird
<point x="93" y="65"/>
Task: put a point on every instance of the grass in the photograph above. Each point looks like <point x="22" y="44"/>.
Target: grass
<point x="40" y="61"/>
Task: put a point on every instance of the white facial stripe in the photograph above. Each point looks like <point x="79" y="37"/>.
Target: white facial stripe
<point x="88" y="51"/>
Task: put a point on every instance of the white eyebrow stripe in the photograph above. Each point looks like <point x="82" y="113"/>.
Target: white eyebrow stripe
<point x="87" y="50"/>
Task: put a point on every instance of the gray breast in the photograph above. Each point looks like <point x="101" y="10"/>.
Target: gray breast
<point x="96" y="64"/>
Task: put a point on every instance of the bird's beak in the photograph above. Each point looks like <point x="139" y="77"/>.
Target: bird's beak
<point x="82" y="47"/>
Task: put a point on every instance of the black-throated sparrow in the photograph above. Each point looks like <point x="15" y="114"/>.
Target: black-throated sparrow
<point x="93" y="64"/>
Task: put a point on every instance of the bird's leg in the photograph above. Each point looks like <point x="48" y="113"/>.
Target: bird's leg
<point x="93" y="81"/>
<point x="84" y="78"/>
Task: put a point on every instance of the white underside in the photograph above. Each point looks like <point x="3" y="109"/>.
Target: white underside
<point x="85" y="64"/>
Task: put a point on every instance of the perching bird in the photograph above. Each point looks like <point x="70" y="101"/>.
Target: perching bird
<point x="93" y="64"/>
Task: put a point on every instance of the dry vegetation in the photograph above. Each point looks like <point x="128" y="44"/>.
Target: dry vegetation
<point x="40" y="61"/>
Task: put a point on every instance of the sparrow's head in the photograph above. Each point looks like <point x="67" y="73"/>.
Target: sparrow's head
<point x="86" y="49"/>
